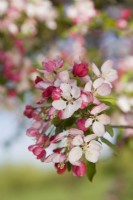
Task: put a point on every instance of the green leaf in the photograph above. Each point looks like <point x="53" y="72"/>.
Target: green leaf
<point x="69" y="166"/>
<point x="38" y="66"/>
<point x="69" y="122"/>
<point x="109" y="129"/>
<point x="59" y="129"/>
<point x="91" y="170"/>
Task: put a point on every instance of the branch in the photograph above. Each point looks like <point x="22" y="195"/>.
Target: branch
<point x="121" y="126"/>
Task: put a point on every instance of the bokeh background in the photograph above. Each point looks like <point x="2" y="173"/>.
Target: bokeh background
<point x="93" y="30"/>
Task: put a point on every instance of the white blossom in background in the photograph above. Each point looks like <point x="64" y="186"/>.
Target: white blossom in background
<point x="81" y="11"/>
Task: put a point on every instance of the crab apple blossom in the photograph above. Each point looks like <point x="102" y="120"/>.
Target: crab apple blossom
<point x="106" y="76"/>
<point x="79" y="170"/>
<point x="80" y="70"/>
<point x="70" y="118"/>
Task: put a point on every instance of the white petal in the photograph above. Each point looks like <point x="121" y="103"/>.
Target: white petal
<point x="98" y="82"/>
<point x="96" y="70"/>
<point x="88" y="122"/>
<point x="71" y="108"/>
<point x="75" y="154"/>
<point x="75" y="91"/>
<point x="97" y="109"/>
<point x="77" y="140"/>
<point x="92" y="155"/>
<point x="63" y="76"/>
<point x="95" y="145"/>
<point x="90" y="137"/>
<point x="104" y="119"/>
<point x="88" y="86"/>
<point x="104" y="89"/>
<point x="65" y="87"/>
<point x="110" y="75"/>
<point x="107" y="66"/>
<point x="98" y="129"/>
<point x="59" y="104"/>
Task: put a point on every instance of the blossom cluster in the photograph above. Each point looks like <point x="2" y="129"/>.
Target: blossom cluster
<point x="23" y="17"/>
<point x="70" y="118"/>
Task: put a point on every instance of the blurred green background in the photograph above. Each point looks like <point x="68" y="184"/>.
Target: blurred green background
<point x="114" y="181"/>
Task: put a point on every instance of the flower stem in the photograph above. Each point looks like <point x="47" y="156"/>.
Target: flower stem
<point x="122" y="126"/>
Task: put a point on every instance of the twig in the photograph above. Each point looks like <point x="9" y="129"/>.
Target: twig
<point x="121" y="126"/>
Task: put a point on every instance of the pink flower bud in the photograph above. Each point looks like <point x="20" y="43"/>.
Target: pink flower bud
<point x="56" y="93"/>
<point x="29" y="111"/>
<point x="80" y="70"/>
<point x="81" y="124"/>
<point x="38" y="79"/>
<point x="79" y="170"/>
<point x="48" y="92"/>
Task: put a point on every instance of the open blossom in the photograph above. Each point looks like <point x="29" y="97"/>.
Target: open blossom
<point x="69" y="118"/>
<point x="70" y="100"/>
<point x="91" y="148"/>
<point x="53" y="65"/>
<point x="97" y="121"/>
<point x="106" y="76"/>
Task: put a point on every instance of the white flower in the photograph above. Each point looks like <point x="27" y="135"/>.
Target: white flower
<point x="70" y="100"/>
<point x="98" y="121"/>
<point x="106" y="76"/>
<point x="91" y="150"/>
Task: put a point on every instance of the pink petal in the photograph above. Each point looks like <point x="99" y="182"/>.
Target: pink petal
<point x="75" y="131"/>
<point x="98" y="129"/>
<point x="104" y="89"/>
<point x="97" y="109"/>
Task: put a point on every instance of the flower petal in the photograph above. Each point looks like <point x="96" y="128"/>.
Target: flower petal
<point x="98" y="129"/>
<point x="59" y="104"/>
<point x="75" y="131"/>
<point x="88" y="122"/>
<point x="75" y="91"/>
<point x="97" y="109"/>
<point x="98" y="82"/>
<point x="75" y="154"/>
<point x="95" y="70"/>
<point x="88" y="86"/>
<point x="78" y="140"/>
<point x="71" y="108"/>
<point x="90" y="137"/>
<point x="95" y="145"/>
<point x="92" y="155"/>
<point x="104" y="89"/>
<point x="104" y="119"/>
<point x="107" y="66"/>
